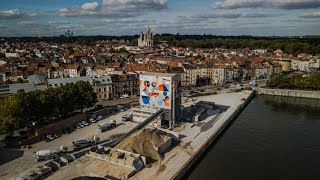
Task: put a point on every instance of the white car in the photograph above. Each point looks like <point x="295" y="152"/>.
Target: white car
<point x="79" y="125"/>
<point x="99" y="118"/>
<point x="92" y="120"/>
<point x="84" y="123"/>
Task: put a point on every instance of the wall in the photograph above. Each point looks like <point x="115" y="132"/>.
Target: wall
<point x="290" y="93"/>
<point x="54" y="128"/>
<point x="156" y="91"/>
<point x="197" y="155"/>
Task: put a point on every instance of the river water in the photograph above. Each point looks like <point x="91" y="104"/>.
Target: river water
<point x="273" y="138"/>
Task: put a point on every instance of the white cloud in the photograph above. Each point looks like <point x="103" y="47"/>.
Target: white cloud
<point x="32" y="14"/>
<point x="311" y="15"/>
<point x="90" y="6"/>
<point x="16" y="13"/>
<point x="282" y="4"/>
<point x="136" y="4"/>
<point x="10" y="14"/>
<point x="115" y="8"/>
<point x="76" y="12"/>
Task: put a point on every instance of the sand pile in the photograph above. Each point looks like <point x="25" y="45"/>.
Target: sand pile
<point x="145" y="143"/>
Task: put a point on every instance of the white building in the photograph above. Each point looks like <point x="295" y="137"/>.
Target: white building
<point x="146" y="39"/>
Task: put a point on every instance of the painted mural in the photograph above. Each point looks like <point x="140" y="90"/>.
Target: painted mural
<point x="155" y="91"/>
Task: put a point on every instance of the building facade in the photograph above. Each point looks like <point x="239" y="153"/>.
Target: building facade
<point x="160" y="91"/>
<point x="146" y="39"/>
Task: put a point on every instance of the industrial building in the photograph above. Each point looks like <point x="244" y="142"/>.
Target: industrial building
<point x="159" y="91"/>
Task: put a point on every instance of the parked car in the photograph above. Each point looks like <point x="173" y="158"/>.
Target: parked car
<point x="79" y="125"/>
<point x="99" y="118"/>
<point x="84" y="123"/>
<point x="49" y="137"/>
<point x="124" y="96"/>
<point x="92" y="120"/>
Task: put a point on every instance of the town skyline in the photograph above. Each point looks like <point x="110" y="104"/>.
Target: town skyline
<point x="130" y="17"/>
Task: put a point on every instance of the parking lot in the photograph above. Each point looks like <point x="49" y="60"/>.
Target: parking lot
<point x="17" y="162"/>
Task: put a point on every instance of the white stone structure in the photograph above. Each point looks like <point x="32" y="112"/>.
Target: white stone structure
<point x="146" y="39"/>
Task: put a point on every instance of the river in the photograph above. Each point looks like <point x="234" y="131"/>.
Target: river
<point x="273" y="138"/>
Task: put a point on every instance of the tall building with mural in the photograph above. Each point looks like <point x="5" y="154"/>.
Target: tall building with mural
<point x="161" y="91"/>
<point x="146" y="39"/>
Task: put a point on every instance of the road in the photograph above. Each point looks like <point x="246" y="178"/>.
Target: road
<point x="23" y="159"/>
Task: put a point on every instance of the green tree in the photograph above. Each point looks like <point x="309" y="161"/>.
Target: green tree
<point x="8" y="81"/>
<point x="7" y="121"/>
<point x="85" y="97"/>
<point x="122" y="50"/>
<point x="19" y="80"/>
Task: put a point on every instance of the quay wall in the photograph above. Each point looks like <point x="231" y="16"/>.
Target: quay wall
<point x="288" y="93"/>
<point x="186" y="167"/>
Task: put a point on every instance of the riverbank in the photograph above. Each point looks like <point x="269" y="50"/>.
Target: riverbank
<point x="197" y="137"/>
<point x="272" y="138"/>
<point x="288" y="93"/>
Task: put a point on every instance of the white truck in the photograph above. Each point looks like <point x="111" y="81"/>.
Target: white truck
<point x="107" y="126"/>
<point x="49" y="154"/>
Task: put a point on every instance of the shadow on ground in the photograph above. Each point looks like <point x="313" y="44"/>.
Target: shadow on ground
<point x="7" y="155"/>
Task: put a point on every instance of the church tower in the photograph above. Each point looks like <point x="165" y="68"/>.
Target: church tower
<point x="146" y="38"/>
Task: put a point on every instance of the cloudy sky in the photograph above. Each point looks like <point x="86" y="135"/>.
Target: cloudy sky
<point x="129" y="17"/>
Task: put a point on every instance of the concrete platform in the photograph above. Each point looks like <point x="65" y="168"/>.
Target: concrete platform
<point x="197" y="138"/>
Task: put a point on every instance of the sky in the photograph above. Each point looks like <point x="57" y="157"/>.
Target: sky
<point x="130" y="17"/>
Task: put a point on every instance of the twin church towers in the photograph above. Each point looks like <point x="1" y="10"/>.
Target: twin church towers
<point x="146" y="39"/>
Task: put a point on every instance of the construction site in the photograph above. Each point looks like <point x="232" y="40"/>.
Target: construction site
<point x="165" y="143"/>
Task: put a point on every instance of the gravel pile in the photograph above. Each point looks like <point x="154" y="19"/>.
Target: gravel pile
<point x="145" y="143"/>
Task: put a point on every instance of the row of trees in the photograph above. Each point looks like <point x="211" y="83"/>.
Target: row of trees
<point x="44" y="106"/>
<point x="296" y="81"/>
<point x="293" y="46"/>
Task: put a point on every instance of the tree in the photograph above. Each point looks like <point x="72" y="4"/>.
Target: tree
<point x="112" y="50"/>
<point x="8" y="81"/>
<point x="85" y="97"/>
<point x="122" y="50"/>
<point x="19" y="80"/>
<point x="7" y="121"/>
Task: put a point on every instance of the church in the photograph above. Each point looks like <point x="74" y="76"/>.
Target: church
<point x="146" y="39"/>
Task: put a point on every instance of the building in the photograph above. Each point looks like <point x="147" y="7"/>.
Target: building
<point x="126" y="84"/>
<point x="146" y="39"/>
<point x="8" y="90"/>
<point x="159" y="91"/>
<point x="285" y="64"/>
<point x="219" y="74"/>
<point x="102" y="86"/>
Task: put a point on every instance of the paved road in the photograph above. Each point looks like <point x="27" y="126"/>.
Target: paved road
<point x="23" y="160"/>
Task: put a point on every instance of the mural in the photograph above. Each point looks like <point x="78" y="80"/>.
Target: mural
<point x="155" y="91"/>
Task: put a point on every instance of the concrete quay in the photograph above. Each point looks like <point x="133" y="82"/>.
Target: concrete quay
<point x="197" y="137"/>
<point x="288" y="93"/>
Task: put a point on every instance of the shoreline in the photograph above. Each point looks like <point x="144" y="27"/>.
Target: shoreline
<point x="181" y="158"/>
<point x="288" y="93"/>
